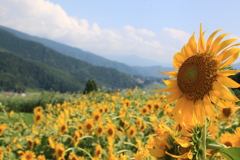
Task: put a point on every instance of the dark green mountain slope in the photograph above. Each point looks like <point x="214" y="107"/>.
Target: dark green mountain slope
<point x="76" y="53"/>
<point x="80" y="70"/>
<point x="18" y="73"/>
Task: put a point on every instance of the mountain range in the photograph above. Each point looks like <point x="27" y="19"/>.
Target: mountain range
<point x="149" y="71"/>
<point x="29" y="64"/>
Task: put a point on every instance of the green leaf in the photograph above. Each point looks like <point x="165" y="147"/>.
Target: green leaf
<point x="214" y="144"/>
<point x="230" y="153"/>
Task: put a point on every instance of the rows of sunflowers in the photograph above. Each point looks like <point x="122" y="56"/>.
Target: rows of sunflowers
<point x="117" y="126"/>
<point x="194" y="117"/>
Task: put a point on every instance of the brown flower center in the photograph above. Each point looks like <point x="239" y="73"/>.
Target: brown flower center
<point x="89" y="126"/>
<point x="196" y="76"/>
<point x="63" y="128"/>
<point x="131" y="132"/>
<point x="228" y="144"/>
<point x="110" y="132"/>
<point x="226" y="112"/>
<point x="96" y="117"/>
<point x="29" y="157"/>
<point x="100" y="130"/>
<point x="38" y="118"/>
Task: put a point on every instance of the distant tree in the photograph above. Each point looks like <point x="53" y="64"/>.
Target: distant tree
<point x="90" y="86"/>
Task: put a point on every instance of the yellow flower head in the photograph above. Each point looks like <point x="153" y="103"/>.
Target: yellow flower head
<point x="88" y="125"/>
<point x="2" y="128"/>
<point x="237" y="137"/>
<point x="98" y="151"/>
<point x="1" y="153"/>
<point x="100" y="130"/>
<point x="110" y="130"/>
<point x="157" y="147"/>
<point x="201" y="79"/>
<point x="131" y="131"/>
<point x="228" y="139"/>
<point x="28" y="155"/>
<point x="52" y="144"/>
<point x="37" y="109"/>
<point x="156" y="105"/>
<point x="143" y="127"/>
<point x="59" y="151"/>
<point x="150" y="105"/>
<point x="38" y="117"/>
<point x="96" y="116"/>
<point x="138" y="122"/>
<point x="11" y="114"/>
<point x="80" y="126"/>
<point x="228" y="111"/>
<point x="72" y="156"/>
<point x="41" y="157"/>
<point x="144" y="110"/>
<point x="30" y="142"/>
<point x="62" y="127"/>
<point x="76" y="138"/>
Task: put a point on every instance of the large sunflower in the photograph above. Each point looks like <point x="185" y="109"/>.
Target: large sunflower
<point x="202" y="78"/>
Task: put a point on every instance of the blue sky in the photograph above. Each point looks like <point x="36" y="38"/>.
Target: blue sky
<point x="154" y="29"/>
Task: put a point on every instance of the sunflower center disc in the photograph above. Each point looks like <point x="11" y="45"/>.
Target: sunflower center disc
<point x="191" y="74"/>
<point x="196" y="76"/>
<point x="226" y="112"/>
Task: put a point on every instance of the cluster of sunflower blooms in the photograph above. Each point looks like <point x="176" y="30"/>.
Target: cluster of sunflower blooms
<point x="114" y="126"/>
<point x="198" y="120"/>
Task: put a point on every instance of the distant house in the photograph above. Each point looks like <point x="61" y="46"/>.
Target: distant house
<point x="140" y="81"/>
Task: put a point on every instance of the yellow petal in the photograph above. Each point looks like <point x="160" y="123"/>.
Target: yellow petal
<point x="172" y="97"/>
<point x="179" y="104"/>
<point x="192" y="45"/>
<point x="184" y="142"/>
<point x="223" y="92"/>
<point x="184" y="51"/>
<point x="188" y="110"/>
<point x="228" y="82"/>
<point x="209" y="107"/>
<point x="230" y="60"/>
<point x="201" y="47"/>
<point x="169" y="81"/>
<point x="199" y="112"/>
<point x="171" y="74"/>
<point x="227" y="72"/>
<point x="216" y="100"/>
<point x="223" y="45"/>
<point x="188" y="51"/>
<point x="216" y="43"/>
<point x="226" y="54"/>
<point x="209" y="41"/>
<point x="178" y="60"/>
<point x="184" y="156"/>
<point x="171" y="87"/>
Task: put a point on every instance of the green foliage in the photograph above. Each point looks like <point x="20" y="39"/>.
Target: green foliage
<point x="236" y="78"/>
<point x="90" y="86"/>
<point x="17" y="74"/>
<point x="27" y="104"/>
<point x="232" y="153"/>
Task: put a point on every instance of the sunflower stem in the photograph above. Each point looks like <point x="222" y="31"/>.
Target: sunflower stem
<point x="204" y="141"/>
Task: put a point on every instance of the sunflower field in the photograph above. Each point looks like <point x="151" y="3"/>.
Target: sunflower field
<point x="116" y="126"/>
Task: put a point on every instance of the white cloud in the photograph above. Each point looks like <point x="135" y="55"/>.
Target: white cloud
<point x="177" y="34"/>
<point x="45" y="19"/>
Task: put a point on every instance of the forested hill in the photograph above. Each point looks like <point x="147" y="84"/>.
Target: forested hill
<point x="76" y="53"/>
<point x="80" y="71"/>
<point x="18" y="73"/>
